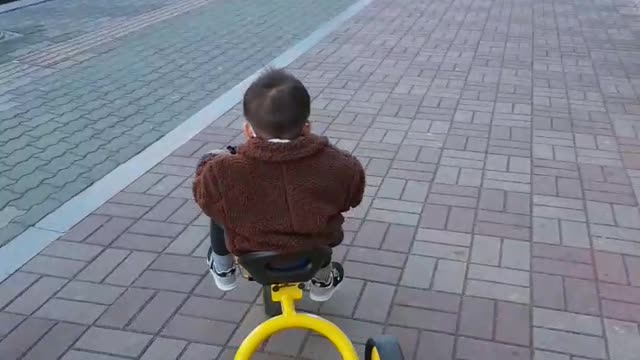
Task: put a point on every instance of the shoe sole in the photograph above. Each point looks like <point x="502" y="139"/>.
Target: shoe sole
<point x="326" y="297"/>
<point x="221" y="286"/>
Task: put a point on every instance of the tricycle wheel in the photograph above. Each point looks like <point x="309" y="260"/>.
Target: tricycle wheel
<point x="271" y="308"/>
<point x="383" y="347"/>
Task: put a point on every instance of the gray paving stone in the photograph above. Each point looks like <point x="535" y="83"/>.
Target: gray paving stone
<point x="567" y="321"/>
<point x="481" y="350"/>
<point x="580" y="345"/>
<point x="498" y="274"/>
<point x="164" y="349"/>
<point x="196" y="351"/>
<point x="14" y="285"/>
<point x="418" y="272"/>
<point x="103" y="265"/>
<point x="157" y="312"/>
<point x="54" y="266"/>
<point x="129" y="270"/>
<point x="199" y="330"/>
<point x="120" y="313"/>
<point x="70" y="311"/>
<point x="8" y="322"/>
<point x="35" y="296"/>
<point x="497" y="291"/>
<point x="398" y="238"/>
<point x="115" y="342"/>
<point x="142" y="242"/>
<point x="477" y="318"/>
<point x="423" y="319"/>
<point x="546" y="355"/>
<point x="622" y="338"/>
<point x="449" y="276"/>
<point x="72" y="250"/>
<point x="513" y="323"/>
<point x="516" y="254"/>
<point x="379" y="257"/>
<point x="581" y="296"/>
<point x="440" y="250"/>
<point x="96" y="293"/>
<point x="375" y="302"/>
<point x="23" y="337"/>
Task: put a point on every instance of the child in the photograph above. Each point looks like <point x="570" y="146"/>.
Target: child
<point x="284" y="190"/>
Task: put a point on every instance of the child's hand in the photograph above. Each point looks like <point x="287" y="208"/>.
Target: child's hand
<point x="213" y="153"/>
<point x="216" y="152"/>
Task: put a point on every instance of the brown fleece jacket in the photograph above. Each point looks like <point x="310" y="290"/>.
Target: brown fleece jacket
<point x="280" y="196"/>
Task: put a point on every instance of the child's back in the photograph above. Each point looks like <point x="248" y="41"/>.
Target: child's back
<point x="284" y="190"/>
<point x="281" y="196"/>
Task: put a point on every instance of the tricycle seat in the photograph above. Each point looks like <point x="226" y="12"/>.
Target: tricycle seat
<point x="271" y="267"/>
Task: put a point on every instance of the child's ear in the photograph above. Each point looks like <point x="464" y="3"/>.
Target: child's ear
<point x="247" y="130"/>
<point x="306" y="130"/>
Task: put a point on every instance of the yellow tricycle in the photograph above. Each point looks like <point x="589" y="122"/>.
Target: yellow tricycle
<point x="284" y="277"/>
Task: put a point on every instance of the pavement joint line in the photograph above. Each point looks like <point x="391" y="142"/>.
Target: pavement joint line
<point x="15" y="5"/>
<point x="34" y="239"/>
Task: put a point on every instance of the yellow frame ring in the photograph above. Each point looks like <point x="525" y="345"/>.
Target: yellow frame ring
<point x="300" y="321"/>
<point x="290" y="319"/>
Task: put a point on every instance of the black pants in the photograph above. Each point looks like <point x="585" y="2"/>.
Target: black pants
<point x="217" y="237"/>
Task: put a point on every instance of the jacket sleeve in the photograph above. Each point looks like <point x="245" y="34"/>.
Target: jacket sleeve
<point x="357" y="185"/>
<point x="206" y="191"/>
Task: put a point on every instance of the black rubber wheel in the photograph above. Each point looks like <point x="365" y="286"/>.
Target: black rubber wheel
<point x="387" y="346"/>
<point x="271" y="308"/>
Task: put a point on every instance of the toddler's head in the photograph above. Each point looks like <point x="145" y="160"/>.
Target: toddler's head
<point x="276" y="106"/>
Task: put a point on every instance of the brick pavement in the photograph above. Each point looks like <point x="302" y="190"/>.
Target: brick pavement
<point x="80" y="98"/>
<point x="501" y="218"/>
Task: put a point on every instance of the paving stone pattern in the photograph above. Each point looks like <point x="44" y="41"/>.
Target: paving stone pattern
<point x="74" y="110"/>
<point x="501" y="218"/>
<point x="56" y="21"/>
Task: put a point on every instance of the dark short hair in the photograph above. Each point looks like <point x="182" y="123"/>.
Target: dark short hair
<point x="277" y="105"/>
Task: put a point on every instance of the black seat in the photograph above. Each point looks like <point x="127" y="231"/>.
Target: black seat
<point x="270" y="267"/>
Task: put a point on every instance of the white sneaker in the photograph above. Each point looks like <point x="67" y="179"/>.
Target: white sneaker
<point x="225" y="281"/>
<point x="320" y="290"/>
